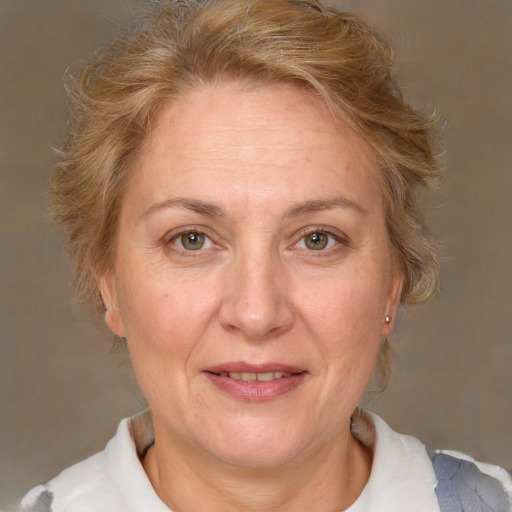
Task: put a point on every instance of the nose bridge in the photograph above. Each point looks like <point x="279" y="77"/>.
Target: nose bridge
<point x="257" y="302"/>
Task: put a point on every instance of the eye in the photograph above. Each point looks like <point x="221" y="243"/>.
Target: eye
<point x="192" y="241"/>
<point x="317" y="241"/>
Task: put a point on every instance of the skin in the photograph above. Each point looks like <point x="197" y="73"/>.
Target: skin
<point x="257" y="170"/>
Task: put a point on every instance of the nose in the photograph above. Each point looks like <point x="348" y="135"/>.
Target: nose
<point x="256" y="299"/>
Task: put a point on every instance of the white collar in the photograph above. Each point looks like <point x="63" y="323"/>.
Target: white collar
<point x="401" y="479"/>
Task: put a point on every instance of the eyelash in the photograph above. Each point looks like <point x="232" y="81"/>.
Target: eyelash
<point x="171" y="242"/>
<point x="338" y="240"/>
<point x="334" y="243"/>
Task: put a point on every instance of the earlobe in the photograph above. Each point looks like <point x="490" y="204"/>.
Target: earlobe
<point x="109" y="297"/>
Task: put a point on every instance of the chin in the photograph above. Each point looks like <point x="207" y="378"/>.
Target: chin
<point x="257" y="446"/>
<point x="258" y="455"/>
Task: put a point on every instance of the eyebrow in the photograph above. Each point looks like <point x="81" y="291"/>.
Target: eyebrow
<point x="195" y="205"/>
<point x="324" y="204"/>
<point x="212" y="210"/>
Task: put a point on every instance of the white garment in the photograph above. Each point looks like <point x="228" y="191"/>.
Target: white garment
<point x="402" y="477"/>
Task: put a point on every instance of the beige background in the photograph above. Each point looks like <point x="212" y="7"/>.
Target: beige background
<point x="62" y="394"/>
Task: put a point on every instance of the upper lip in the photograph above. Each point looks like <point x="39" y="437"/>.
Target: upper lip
<point x="245" y="367"/>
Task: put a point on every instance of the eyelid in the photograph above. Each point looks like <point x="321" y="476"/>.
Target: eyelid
<point x="341" y="239"/>
<point x="174" y="234"/>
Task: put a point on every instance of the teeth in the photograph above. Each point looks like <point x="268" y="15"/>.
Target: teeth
<point x="265" y="377"/>
<point x="262" y="377"/>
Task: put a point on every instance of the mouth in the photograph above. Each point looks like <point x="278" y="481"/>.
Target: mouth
<point x="252" y="376"/>
<point x="255" y="382"/>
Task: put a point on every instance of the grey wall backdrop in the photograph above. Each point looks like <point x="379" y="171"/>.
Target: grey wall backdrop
<point x="62" y="394"/>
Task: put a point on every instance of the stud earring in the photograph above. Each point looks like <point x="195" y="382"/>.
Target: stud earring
<point x="387" y="319"/>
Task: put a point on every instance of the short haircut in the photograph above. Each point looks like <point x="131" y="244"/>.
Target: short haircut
<point x="188" y="43"/>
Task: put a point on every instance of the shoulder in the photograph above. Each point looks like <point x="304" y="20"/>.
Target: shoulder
<point x="466" y="484"/>
<point x="84" y="482"/>
<point x="110" y="481"/>
<point x="406" y="475"/>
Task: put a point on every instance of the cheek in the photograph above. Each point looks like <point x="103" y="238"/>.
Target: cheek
<point x="345" y="318"/>
<point x="346" y="305"/>
<point x="164" y="329"/>
<point x="163" y="313"/>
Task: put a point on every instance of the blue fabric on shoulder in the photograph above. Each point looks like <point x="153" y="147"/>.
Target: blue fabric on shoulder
<point x="462" y="487"/>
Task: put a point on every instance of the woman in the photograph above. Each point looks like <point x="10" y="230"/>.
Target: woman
<point x="240" y="189"/>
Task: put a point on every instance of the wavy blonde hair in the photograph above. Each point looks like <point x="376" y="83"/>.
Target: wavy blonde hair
<point x="187" y="43"/>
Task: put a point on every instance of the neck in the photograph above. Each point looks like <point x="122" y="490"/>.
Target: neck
<point x="328" y="478"/>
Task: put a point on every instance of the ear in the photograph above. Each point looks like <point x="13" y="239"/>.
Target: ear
<point x="392" y="303"/>
<point x="108" y="293"/>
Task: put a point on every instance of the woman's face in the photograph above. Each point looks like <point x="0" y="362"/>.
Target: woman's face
<point x="253" y="274"/>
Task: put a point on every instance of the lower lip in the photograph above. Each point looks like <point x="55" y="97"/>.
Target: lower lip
<point x="255" y="390"/>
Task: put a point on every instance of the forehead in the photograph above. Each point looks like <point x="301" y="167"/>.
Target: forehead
<point x="254" y="139"/>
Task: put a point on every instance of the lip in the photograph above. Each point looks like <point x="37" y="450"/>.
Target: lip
<point x="255" y="391"/>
